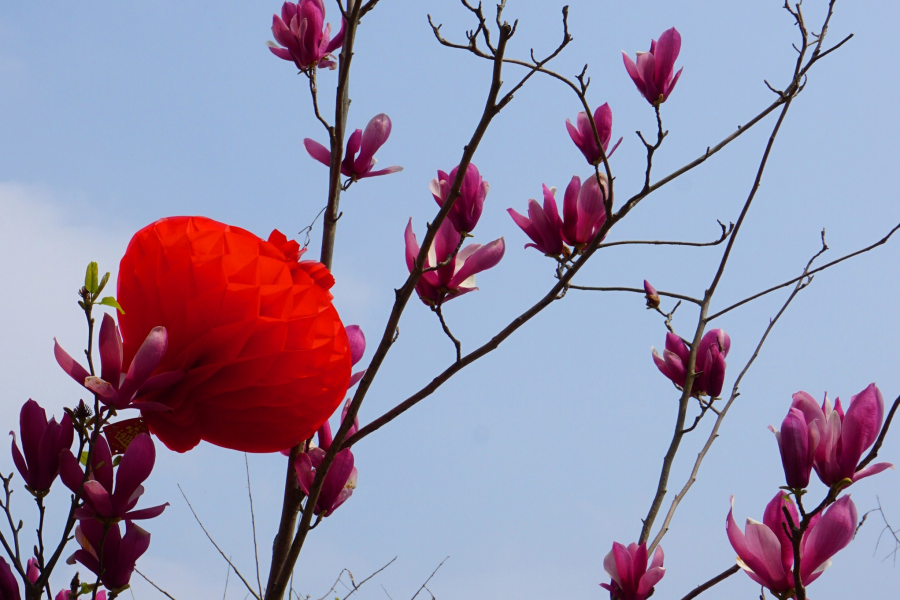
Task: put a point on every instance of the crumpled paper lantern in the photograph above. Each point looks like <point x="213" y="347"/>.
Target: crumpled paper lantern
<point x="265" y="355"/>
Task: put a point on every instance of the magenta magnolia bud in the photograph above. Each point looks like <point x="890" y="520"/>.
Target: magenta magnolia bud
<point x="113" y="389"/>
<point x="357" y="349"/>
<point x="631" y="577"/>
<point x="32" y="572"/>
<point x="101" y="501"/>
<point x="542" y="225"/>
<point x="584" y="138"/>
<point x="584" y="212"/>
<point x="844" y="438"/>
<point x="653" y="72"/>
<point x="651" y="295"/>
<point x="468" y="206"/>
<point x="710" y="363"/>
<point x="797" y="443"/>
<point x="42" y="441"/>
<point x="366" y="143"/>
<point x="766" y="553"/>
<point x="120" y="553"/>
<point x="458" y="276"/>
<point x="299" y="30"/>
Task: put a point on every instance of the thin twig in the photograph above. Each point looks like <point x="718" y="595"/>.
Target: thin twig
<point x="456" y="342"/>
<point x="641" y="291"/>
<point x="159" y="589"/>
<point x="213" y="542"/>
<point x="814" y="271"/>
<point x="253" y="523"/>
<point x="717" y="579"/>
<point x="429" y="578"/>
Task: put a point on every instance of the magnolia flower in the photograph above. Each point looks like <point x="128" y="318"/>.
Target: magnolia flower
<point x="584" y="212"/>
<point x="843" y="438"/>
<point x="468" y="205"/>
<point x="710" y="364"/>
<point x="32" y="571"/>
<point x="114" y="388"/>
<point x="542" y="225"/>
<point x="651" y="295"/>
<point x="42" y="442"/>
<point x="341" y="478"/>
<point x="9" y="587"/>
<point x="366" y="143"/>
<point x="797" y="443"/>
<point x="101" y="501"/>
<point x="765" y="551"/>
<point x="299" y="30"/>
<point x="584" y="138"/>
<point x="357" y="348"/>
<point x="120" y="553"/>
<point x="653" y="72"/>
<point x="457" y="277"/>
<point x="631" y="577"/>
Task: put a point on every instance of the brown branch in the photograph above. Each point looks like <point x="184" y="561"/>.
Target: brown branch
<point x="158" y="589"/>
<point x="726" y="231"/>
<point x="213" y="542"/>
<point x="733" y="396"/>
<point x="276" y="590"/>
<point x="669" y="458"/>
<point x="717" y="579"/>
<point x="456" y="342"/>
<point x="816" y="270"/>
<point x="253" y="524"/>
<point x="641" y="291"/>
<point x="419" y="591"/>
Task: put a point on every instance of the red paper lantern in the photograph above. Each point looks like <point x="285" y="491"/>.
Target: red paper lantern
<point x="265" y="354"/>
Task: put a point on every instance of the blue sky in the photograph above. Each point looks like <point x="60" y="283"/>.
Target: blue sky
<point x="525" y="467"/>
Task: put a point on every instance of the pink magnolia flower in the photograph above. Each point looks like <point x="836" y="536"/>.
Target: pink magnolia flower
<point x="299" y="30"/>
<point x="653" y="72"/>
<point x="631" y="577"/>
<point x="583" y="210"/>
<point x="42" y="442"/>
<point x="710" y="365"/>
<point x="120" y="553"/>
<point x="32" y="571"/>
<point x="341" y="478"/>
<point x="103" y="502"/>
<point x="583" y="135"/>
<point x="9" y="587"/>
<point x="765" y="551"/>
<point x="357" y="348"/>
<point x="366" y="143"/>
<point x="114" y="388"/>
<point x="458" y="276"/>
<point x="468" y="206"/>
<point x="797" y="443"/>
<point x="542" y="225"/>
<point x="651" y="295"/>
<point x="843" y="438"/>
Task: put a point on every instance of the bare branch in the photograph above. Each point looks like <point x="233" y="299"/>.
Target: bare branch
<point x="726" y="231"/>
<point x="253" y="523"/>
<point x="717" y="579"/>
<point x="641" y="291"/>
<point x="456" y="343"/>
<point x="812" y="272"/>
<point x="158" y="589"/>
<point x="213" y="542"/>
<point x="429" y="578"/>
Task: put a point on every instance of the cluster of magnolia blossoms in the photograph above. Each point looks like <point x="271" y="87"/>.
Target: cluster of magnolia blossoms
<point x="366" y="143"/>
<point x="710" y="361"/>
<point x="46" y="454"/>
<point x="450" y="267"/>
<point x="833" y="443"/>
